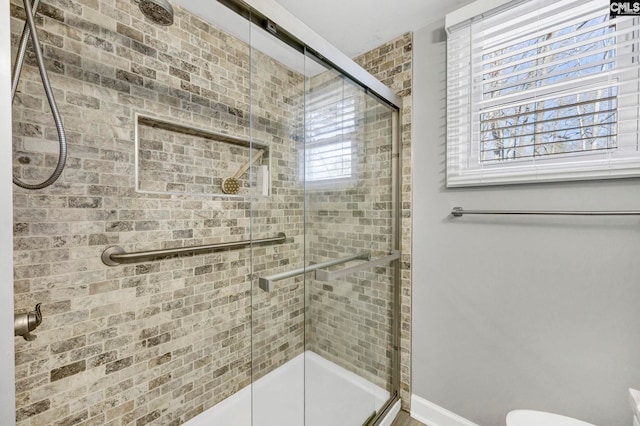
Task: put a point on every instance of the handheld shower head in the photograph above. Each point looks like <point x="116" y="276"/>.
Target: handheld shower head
<point x="159" y="11"/>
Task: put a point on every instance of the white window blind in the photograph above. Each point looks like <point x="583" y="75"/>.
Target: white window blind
<point x="543" y="90"/>
<point x="331" y="127"/>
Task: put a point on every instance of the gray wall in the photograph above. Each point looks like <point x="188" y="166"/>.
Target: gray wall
<point x="514" y="312"/>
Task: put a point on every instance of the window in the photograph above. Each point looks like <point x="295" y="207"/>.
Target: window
<point x="542" y="90"/>
<point x="330" y="149"/>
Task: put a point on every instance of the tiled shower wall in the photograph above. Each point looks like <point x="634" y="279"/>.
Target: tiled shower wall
<point x="154" y="342"/>
<point x="158" y="342"/>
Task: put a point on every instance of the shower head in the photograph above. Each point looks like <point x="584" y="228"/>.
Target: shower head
<point x="159" y="11"/>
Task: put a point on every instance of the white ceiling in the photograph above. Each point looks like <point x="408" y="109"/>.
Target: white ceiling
<point x="352" y="26"/>
<point x="357" y="26"/>
<point x="226" y="20"/>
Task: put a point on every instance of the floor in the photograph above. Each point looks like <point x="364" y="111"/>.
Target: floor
<point x="403" y="419"/>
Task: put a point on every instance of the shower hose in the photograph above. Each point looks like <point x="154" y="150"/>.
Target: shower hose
<point x="30" y="30"/>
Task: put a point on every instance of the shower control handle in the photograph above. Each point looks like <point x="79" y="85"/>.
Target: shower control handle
<point x="24" y="324"/>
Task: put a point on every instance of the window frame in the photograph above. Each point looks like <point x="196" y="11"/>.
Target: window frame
<point x="340" y="91"/>
<point x="464" y="164"/>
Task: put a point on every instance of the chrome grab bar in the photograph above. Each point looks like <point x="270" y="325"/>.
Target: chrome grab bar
<point x="267" y="283"/>
<point x="459" y="211"/>
<point x="115" y="255"/>
<point x="334" y="275"/>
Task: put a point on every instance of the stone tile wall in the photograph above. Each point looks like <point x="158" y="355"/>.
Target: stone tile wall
<point x="154" y="342"/>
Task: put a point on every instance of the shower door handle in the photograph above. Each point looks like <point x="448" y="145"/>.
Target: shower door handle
<point x="267" y="283"/>
<point x="322" y="275"/>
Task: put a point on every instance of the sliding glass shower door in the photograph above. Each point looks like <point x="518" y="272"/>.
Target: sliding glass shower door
<point x="277" y="205"/>
<point x="323" y="306"/>
<point x="349" y="221"/>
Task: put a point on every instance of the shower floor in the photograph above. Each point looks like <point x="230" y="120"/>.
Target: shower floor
<point x="332" y="396"/>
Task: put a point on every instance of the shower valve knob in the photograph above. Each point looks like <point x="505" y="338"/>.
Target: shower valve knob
<point x="25" y="323"/>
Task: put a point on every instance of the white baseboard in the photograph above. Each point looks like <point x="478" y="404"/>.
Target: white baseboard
<point x="433" y="415"/>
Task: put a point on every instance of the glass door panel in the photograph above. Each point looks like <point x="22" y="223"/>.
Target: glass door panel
<point x="277" y="206"/>
<point x="321" y="331"/>
<point x="348" y="213"/>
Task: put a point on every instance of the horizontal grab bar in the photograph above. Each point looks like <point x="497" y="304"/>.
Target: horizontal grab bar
<point x="267" y="283"/>
<point x="459" y="211"/>
<point x="115" y="255"/>
<point x="334" y="275"/>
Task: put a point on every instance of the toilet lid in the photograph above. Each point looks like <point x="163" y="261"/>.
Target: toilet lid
<point x="540" y="418"/>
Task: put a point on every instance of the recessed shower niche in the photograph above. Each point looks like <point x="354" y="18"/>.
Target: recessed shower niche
<point x="173" y="158"/>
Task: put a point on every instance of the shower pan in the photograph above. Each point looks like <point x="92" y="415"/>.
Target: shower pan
<point x="225" y="247"/>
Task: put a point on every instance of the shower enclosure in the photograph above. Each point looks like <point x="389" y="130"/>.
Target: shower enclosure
<point x="223" y="246"/>
<point x="330" y="307"/>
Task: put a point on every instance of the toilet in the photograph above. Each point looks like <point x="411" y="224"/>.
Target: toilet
<point x="540" y="418"/>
